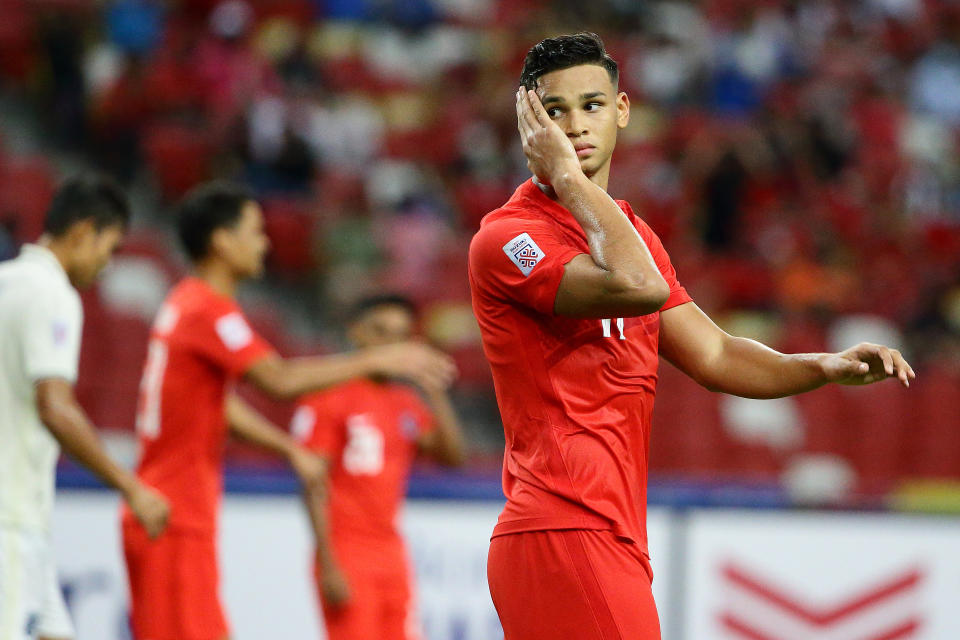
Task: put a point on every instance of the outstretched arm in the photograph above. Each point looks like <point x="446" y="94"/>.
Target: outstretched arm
<point x="742" y="367"/>
<point x="286" y="379"/>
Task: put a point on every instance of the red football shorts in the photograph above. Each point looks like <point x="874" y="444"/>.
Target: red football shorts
<point x="174" y="586"/>
<point x="571" y="585"/>
<point x="381" y="607"/>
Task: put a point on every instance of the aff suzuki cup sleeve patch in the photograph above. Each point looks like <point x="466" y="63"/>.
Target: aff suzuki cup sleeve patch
<point x="524" y="253"/>
<point x="234" y="331"/>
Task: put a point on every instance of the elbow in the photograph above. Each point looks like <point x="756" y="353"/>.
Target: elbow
<point x="48" y="414"/>
<point x="279" y="386"/>
<point x="50" y="411"/>
<point x="642" y="296"/>
<point x="283" y="392"/>
<point x="276" y="378"/>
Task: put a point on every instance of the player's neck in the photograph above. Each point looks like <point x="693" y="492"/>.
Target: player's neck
<point x="218" y="277"/>
<point x="602" y="177"/>
<point x="59" y="251"/>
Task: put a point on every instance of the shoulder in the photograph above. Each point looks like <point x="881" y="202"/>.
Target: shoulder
<point x="71" y="299"/>
<point x="199" y="307"/>
<point x="645" y="230"/>
<point x="497" y="234"/>
<point x="638" y="222"/>
<point x="194" y="299"/>
<point x="51" y="295"/>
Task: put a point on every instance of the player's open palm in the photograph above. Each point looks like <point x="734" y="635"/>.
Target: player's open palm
<point x="550" y="153"/>
<point x="867" y="363"/>
<point x="150" y="508"/>
<point x="334" y="588"/>
<point x="416" y="362"/>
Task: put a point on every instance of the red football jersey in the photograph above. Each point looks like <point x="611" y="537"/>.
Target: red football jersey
<point x="576" y="395"/>
<point x="369" y="431"/>
<point x="199" y="344"/>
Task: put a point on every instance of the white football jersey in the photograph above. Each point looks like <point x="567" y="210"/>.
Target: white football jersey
<point x="41" y="320"/>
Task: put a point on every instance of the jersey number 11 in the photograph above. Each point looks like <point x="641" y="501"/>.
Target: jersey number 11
<point x="607" y="323"/>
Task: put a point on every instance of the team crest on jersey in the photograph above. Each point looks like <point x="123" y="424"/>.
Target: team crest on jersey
<point x="524" y="253"/>
<point x="59" y="333"/>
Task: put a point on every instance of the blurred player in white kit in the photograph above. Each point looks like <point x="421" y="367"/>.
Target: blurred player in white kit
<point x="41" y="321"/>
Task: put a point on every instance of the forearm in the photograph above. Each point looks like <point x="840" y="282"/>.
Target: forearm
<point x="315" y="373"/>
<point x="291" y="378"/>
<point x="68" y="423"/>
<point x="749" y="369"/>
<point x="246" y="423"/>
<point x="318" y="512"/>
<point x="615" y="245"/>
<point x="448" y="442"/>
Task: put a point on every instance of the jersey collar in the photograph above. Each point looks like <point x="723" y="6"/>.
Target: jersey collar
<point x="556" y="211"/>
<point x="43" y="256"/>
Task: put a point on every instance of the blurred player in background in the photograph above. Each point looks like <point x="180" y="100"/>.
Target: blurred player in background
<point x="575" y="294"/>
<point x="369" y="430"/>
<point x="200" y="344"/>
<point x="41" y="322"/>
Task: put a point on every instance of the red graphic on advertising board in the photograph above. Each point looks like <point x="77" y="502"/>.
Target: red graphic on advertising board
<point x="820" y="621"/>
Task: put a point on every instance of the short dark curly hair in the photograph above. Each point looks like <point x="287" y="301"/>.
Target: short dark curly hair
<point x="382" y="300"/>
<point x="563" y="52"/>
<point x="205" y="209"/>
<point x="90" y="196"/>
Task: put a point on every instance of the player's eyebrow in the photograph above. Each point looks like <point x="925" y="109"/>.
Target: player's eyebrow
<point x="583" y="96"/>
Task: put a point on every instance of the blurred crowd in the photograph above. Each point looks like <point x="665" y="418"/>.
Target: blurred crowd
<point x="799" y="159"/>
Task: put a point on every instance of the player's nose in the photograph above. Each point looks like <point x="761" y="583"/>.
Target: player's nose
<point x="576" y="124"/>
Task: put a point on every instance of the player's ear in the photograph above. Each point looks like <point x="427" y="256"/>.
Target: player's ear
<point x="219" y="242"/>
<point x="80" y="232"/>
<point x="623" y="110"/>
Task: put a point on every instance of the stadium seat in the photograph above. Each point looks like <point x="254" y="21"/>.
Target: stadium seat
<point x="178" y="155"/>
<point x="26" y="187"/>
<point x="290" y="225"/>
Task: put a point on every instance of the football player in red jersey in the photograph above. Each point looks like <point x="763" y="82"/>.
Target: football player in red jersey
<point x="370" y="430"/>
<point x="576" y="298"/>
<point x="199" y="345"/>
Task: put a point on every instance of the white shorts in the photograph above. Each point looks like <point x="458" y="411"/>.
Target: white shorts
<point x="31" y="602"/>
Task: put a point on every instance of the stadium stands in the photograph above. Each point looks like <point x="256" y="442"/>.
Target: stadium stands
<point x="797" y="178"/>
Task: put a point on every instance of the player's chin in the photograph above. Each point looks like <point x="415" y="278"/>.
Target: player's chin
<point x="590" y="164"/>
<point x="254" y="271"/>
<point x="89" y="278"/>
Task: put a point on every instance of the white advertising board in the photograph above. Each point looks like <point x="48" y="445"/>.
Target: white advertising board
<point x="265" y="566"/>
<point x="719" y="575"/>
<point x="265" y="563"/>
<point x="661" y="538"/>
<point x="782" y="576"/>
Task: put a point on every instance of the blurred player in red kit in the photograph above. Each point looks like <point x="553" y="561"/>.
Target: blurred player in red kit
<point x="576" y="297"/>
<point x="369" y="430"/>
<point x="199" y="345"/>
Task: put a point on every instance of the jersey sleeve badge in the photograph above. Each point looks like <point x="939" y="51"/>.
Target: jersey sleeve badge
<point x="234" y="331"/>
<point x="524" y="253"/>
